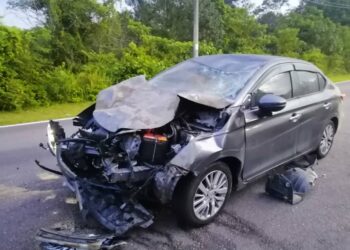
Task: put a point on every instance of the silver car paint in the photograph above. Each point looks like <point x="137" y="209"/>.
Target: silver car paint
<point x="262" y="143"/>
<point x="209" y="147"/>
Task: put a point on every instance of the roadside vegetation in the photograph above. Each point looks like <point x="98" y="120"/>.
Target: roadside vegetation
<point x="83" y="46"/>
<point x="339" y="77"/>
<point x="54" y="111"/>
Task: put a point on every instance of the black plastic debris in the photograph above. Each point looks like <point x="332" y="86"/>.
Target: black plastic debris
<point x="295" y="182"/>
<point x="58" y="239"/>
<point x="112" y="210"/>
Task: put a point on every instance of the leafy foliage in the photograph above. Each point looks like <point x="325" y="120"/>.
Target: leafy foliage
<point x="83" y="46"/>
<point x="337" y="10"/>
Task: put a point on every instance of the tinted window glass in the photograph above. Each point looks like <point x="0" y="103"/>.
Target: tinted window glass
<point x="280" y="85"/>
<point x="322" y="82"/>
<point x="305" y="83"/>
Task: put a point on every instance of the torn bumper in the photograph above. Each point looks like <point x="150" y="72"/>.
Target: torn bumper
<point x="112" y="201"/>
<point x="113" y="209"/>
<point x="109" y="205"/>
<point x="60" y="239"/>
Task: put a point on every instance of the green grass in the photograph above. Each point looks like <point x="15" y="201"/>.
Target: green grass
<point x="43" y="113"/>
<point x="340" y="78"/>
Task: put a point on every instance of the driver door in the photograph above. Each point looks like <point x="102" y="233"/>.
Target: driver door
<point x="270" y="139"/>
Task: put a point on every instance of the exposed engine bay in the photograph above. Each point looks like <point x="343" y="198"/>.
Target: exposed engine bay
<point x="131" y="155"/>
<point x="111" y="171"/>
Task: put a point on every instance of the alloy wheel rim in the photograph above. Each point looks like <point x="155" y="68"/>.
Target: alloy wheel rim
<point x="210" y="195"/>
<point x="327" y="139"/>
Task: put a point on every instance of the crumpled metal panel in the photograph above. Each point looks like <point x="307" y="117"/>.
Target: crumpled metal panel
<point x="134" y="104"/>
<point x="214" y="101"/>
<point x="210" y="147"/>
<point x="61" y="239"/>
<point x="114" y="211"/>
<point x="197" y="148"/>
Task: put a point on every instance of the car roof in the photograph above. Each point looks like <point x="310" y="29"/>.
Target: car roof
<point x="228" y="62"/>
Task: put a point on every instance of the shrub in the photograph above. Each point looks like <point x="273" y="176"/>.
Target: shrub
<point x="317" y="57"/>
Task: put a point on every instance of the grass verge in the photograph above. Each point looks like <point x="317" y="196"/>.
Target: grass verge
<point x="43" y="113"/>
<point x="340" y="78"/>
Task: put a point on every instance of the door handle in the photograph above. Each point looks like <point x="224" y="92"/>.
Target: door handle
<point x="327" y="105"/>
<point x="295" y="117"/>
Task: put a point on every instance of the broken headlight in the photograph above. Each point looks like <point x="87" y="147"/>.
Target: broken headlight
<point x="54" y="133"/>
<point x="51" y="142"/>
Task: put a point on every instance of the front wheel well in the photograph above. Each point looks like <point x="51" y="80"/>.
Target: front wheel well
<point x="235" y="166"/>
<point x="336" y="122"/>
<point x="233" y="163"/>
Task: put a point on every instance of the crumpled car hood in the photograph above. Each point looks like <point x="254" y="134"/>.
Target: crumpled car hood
<point x="213" y="101"/>
<point x="136" y="104"/>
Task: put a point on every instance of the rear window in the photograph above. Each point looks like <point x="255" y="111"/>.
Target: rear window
<point x="305" y="83"/>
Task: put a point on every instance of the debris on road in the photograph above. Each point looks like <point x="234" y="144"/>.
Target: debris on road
<point x="295" y="182"/>
<point x="59" y="239"/>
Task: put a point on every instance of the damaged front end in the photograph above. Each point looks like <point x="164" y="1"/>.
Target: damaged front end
<point x="112" y="170"/>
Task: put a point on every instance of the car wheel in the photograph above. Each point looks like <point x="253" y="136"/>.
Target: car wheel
<point x="326" y="140"/>
<point x="200" y="199"/>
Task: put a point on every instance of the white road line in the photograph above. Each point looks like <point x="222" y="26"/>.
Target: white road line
<point x="33" y="123"/>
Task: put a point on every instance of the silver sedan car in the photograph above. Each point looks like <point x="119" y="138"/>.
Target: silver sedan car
<point x="192" y="135"/>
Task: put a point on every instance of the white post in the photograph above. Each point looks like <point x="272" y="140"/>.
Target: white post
<point x="195" y="27"/>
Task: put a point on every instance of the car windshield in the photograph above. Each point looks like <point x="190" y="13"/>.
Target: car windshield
<point x="194" y="76"/>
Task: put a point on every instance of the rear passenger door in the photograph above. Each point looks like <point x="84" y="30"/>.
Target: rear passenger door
<point x="308" y="92"/>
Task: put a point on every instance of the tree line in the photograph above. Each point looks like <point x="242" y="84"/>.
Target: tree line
<point x="83" y="46"/>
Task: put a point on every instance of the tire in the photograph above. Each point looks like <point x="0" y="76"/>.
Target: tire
<point x="326" y="140"/>
<point x="205" y="212"/>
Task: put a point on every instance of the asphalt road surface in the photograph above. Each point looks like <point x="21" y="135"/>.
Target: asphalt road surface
<point x="31" y="198"/>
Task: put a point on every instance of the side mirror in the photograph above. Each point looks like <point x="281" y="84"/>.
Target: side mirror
<point x="271" y="103"/>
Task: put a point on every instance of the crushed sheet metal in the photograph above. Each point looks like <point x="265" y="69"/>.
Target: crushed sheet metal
<point x="59" y="239"/>
<point x="195" y="149"/>
<point x="214" y="101"/>
<point x="137" y="104"/>
<point x="112" y="210"/>
<point x="134" y="104"/>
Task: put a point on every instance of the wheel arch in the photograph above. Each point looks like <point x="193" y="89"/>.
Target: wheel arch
<point x="234" y="164"/>
<point x="335" y="120"/>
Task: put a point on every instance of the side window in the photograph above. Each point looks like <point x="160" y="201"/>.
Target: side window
<point x="321" y="81"/>
<point x="280" y="85"/>
<point x="304" y="83"/>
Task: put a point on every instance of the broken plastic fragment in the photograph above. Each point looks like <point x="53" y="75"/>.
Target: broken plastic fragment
<point x="292" y="184"/>
<point x="60" y="239"/>
<point x="111" y="209"/>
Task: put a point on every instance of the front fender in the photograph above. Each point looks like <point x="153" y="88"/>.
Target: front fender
<point x="200" y="152"/>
